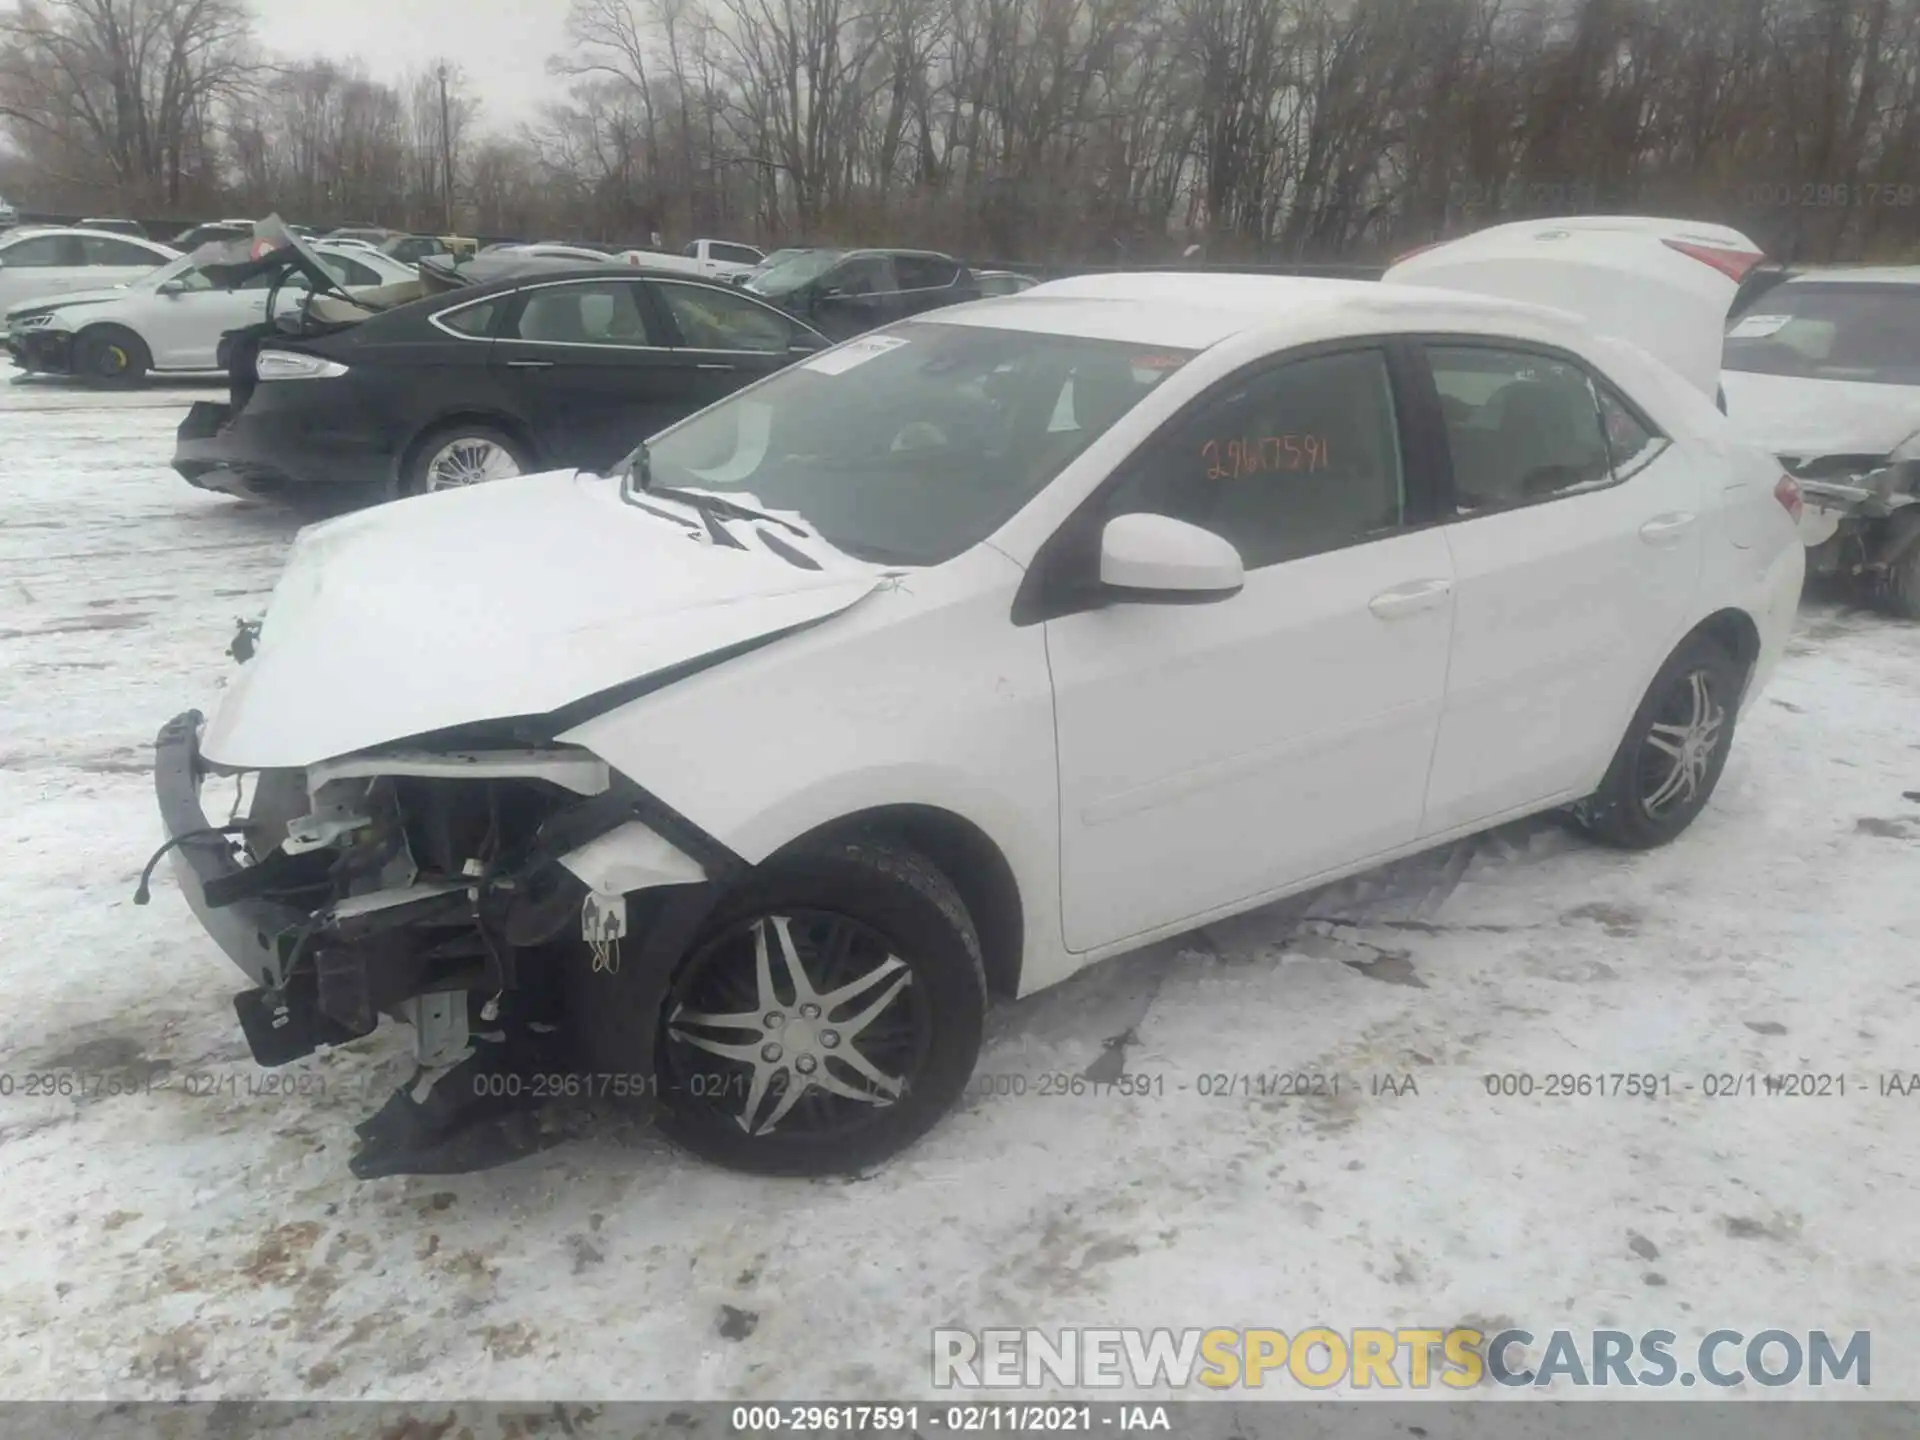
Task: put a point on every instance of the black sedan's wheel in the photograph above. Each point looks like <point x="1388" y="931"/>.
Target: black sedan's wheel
<point x="827" y="1016"/>
<point x="463" y="455"/>
<point x="1671" y="759"/>
<point x="107" y="355"/>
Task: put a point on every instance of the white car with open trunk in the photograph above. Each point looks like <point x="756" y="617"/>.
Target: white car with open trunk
<point x="944" y="663"/>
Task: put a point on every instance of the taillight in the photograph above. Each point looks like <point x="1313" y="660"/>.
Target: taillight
<point x="1787" y="491"/>
<point x="1734" y="264"/>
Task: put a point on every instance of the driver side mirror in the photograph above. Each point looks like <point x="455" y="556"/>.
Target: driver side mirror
<point x="173" y="287"/>
<point x="1156" y="559"/>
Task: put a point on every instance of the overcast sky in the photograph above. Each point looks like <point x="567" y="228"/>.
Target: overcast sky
<point x="503" y="44"/>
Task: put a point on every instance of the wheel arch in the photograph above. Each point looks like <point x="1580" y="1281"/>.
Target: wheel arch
<point x="968" y="857"/>
<point x="99" y="326"/>
<point x="1735" y="631"/>
<point x="493" y="419"/>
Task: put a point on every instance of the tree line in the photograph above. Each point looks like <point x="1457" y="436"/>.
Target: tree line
<point x="1099" y="131"/>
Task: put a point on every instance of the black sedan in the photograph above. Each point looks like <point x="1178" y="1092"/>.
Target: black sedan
<point x="543" y="368"/>
<point x="843" y="292"/>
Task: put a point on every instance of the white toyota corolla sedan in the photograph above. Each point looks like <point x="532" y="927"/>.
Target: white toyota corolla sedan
<point x="944" y="663"/>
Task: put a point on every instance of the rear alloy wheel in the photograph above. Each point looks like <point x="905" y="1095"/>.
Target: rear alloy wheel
<point x="470" y="455"/>
<point x="1667" y="766"/>
<point x="110" y="356"/>
<point x="827" y="1016"/>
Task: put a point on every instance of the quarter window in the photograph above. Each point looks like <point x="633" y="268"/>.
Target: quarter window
<point x="1286" y="463"/>
<point x="475" y="320"/>
<point x="1520" y="427"/>
<point x="715" y="320"/>
<point x="602" y="313"/>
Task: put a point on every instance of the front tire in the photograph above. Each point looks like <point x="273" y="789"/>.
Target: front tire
<point x="1668" y="764"/>
<point x="826" y="1016"/>
<point x="111" y="357"/>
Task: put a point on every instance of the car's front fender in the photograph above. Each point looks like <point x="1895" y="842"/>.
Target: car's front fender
<point x="926" y="695"/>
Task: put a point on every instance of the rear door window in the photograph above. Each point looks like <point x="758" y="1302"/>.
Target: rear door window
<point x="100" y="250"/>
<point x="924" y="272"/>
<point x="1521" y="426"/>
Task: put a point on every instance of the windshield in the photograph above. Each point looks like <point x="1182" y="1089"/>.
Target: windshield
<point x="790" y="275"/>
<point x="184" y="272"/>
<point x="913" y="444"/>
<point x="1835" y="331"/>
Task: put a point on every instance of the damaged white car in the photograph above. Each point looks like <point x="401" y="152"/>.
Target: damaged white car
<point x="951" y="660"/>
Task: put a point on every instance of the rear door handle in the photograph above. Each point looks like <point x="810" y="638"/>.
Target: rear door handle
<point x="1667" y="529"/>
<point x="1411" y="598"/>
<point x="529" y="364"/>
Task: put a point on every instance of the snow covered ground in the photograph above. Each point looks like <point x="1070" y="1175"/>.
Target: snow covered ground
<point x="181" y="1243"/>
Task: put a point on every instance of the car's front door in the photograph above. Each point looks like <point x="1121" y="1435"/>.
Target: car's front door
<point x="1214" y="753"/>
<point x="1576" y="541"/>
<point x="724" y="340"/>
<point x="588" y="375"/>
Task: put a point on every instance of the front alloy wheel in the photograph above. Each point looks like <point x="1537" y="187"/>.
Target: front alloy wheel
<point x="810" y="1051"/>
<point x="828" y="1014"/>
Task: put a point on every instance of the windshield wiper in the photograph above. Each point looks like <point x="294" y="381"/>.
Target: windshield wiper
<point x="635" y="473"/>
<point x="719" y="505"/>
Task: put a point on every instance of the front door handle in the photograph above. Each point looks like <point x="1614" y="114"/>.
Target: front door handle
<point x="1667" y="529"/>
<point x="529" y="364"/>
<point x="1411" y="598"/>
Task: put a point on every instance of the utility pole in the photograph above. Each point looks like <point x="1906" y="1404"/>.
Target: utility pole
<point x="446" y="149"/>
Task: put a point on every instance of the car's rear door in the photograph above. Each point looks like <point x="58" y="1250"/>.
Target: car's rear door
<point x="1577" y="541"/>
<point x="1213" y="753"/>
<point x="723" y="339"/>
<point x="927" y="282"/>
<point x="585" y="366"/>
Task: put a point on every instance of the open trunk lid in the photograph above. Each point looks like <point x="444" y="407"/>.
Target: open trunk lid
<point x="1664" y="285"/>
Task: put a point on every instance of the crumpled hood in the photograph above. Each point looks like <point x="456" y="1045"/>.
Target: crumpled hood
<point x="1802" y="418"/>
<point x="506" y="599"/>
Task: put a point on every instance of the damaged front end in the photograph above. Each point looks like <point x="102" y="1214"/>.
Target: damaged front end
<point x="1862" y="524"/>
<point x="451" y="890"/>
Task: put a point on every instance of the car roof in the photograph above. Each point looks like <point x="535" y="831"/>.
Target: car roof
<point x="1194" y="311"/>
<point x="1858" y="275"/>
<point x="26" y="230"/>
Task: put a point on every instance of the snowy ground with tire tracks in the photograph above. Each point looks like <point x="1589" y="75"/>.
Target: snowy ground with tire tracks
<point x="172" y="1243"/>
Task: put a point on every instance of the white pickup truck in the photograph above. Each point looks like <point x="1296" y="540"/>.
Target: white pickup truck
<point x="714" y="259"/>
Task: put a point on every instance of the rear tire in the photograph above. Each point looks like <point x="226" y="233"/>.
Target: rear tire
<point x="1902" y="588"/>
<point x="1668" y="764"/>
<point x="870" y="921"/>
<point x="462" y="454"/>
<point x="110" y="357"/>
